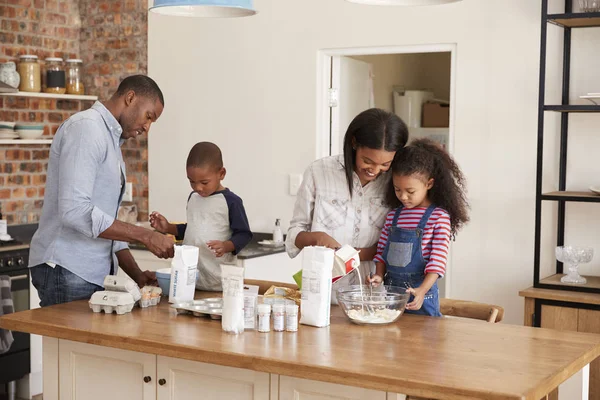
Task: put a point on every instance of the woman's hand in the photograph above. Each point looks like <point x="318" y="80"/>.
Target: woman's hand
<point x="316" y="239"/>
<point x="323" y="239"/>
<point x="419" y="296"/>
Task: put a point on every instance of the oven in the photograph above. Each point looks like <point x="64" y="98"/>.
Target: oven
<point x="14" y="261"/>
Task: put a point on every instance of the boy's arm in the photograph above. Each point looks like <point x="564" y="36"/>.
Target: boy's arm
<point x="238" y="221"/>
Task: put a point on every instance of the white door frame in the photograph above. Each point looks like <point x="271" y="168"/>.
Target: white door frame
<point x="323" y="81"/>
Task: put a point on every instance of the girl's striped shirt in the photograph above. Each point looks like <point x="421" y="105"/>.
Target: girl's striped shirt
<point x="436" y="236"/>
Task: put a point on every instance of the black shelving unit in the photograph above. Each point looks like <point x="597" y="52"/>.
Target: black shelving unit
<point x="568" y="21"/>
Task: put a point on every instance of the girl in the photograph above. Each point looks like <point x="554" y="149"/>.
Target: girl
<point x="428" y="191"/>
<point x="342" y="198"/>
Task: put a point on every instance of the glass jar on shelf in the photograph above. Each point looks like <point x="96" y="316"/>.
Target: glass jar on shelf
<point x="55" y="81"/>
<point x="29" y="72"/>
<point x="74" y="79"/>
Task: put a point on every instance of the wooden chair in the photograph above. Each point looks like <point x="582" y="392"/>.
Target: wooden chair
<point x="471" y="309"/>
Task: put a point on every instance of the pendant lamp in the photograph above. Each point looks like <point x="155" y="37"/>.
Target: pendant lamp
<point x="403" y="2"/>
<point x="204" y="8"/>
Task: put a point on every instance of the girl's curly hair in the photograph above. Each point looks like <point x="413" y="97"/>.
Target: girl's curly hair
<point x="428" y="159"/>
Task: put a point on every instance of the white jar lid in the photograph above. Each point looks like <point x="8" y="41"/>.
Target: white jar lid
<point x="74" y="60"/>
<point x="291" y="308"/>
<point x="279" y="308"/>
<point x="53" y="59"/>
<point x="29" y="56"/>
<point x="264" y="308"/>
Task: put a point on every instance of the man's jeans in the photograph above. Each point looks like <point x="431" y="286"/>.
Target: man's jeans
<point x="58" y="285"/>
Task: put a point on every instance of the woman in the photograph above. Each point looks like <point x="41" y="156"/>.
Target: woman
<point x="342" y="198"/>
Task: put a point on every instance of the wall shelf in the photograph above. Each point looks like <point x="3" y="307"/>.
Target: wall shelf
<point x="593" y="282"/>
<point x="52" y="96"/>
<point x="25" y="141"/>
<point x="568" y="20"/>
<point x="586" y="197"/>
<point x="573" y="108"/>
<point x="575" y="20"/>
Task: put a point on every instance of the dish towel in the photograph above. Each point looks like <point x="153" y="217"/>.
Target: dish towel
<point x="6" y="307"/>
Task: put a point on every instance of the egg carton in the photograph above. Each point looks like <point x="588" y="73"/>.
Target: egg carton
<point x="150" y="296"/>
<point x="211" y="307"/>
<point x="109" y="302"/>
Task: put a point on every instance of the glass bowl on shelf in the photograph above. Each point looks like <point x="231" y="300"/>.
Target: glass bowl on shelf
<point x="589" y="5"/>
<point x="571" y="257"/>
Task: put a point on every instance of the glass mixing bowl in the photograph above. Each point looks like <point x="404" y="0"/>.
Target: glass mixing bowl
<point x="365" y="305"/>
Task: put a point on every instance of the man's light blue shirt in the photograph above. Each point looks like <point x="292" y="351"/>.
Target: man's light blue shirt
<point x="84" y="188"/>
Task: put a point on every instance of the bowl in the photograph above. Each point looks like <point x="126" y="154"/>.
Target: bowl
<point x="29" y="133"/>
<point x="163" y="276"/>
<point x="7" y="125"/>
<point x="379" y="306"/>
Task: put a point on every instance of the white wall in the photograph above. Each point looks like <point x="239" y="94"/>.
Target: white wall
<point x="250" y="86"/>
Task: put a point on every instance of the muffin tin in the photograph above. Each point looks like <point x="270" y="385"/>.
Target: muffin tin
<point x="212" y="307"/>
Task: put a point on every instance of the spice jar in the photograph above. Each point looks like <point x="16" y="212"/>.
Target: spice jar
<point x="278" y="317"/>
<point x="264" y="317"/>
<point x="55" y="76"/>
<point x="29" y="71"/>
<point x="74" y="79"/>
<point x="291" y="317"/>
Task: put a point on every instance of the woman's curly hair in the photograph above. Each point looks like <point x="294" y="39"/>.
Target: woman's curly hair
<point x="429" y="160"/>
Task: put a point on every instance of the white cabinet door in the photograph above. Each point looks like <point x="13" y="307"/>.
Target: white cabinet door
<point x="303" y="389"/>
<point x="276" y="267"/>
<point x="89" y="372"/>
<point x="182" y="380"/>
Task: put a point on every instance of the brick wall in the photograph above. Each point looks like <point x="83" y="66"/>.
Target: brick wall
<point x="111" y="38"/>
<point x="114" y="44"/>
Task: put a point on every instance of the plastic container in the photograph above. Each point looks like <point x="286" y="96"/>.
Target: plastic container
<point x="163" y="276"/>
<point x="29" y="71"/>
<point x="291" y="317"/>
<point x="278" y="317"/>
<point x="74" y="67"/>
<point x="277" y="233"/>
<point x="264" y="317"/>
<point x="55" y="77"/>
<point x="250" y="300"/>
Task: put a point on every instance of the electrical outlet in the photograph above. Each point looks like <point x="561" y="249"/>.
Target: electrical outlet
<point x="128" y="195"/>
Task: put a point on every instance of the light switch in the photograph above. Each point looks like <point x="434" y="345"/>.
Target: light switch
<point x="295" y="182"/>
<point x="128" y="195"/>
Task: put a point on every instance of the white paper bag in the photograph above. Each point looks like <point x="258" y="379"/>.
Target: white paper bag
<point x="184" y="268"/>
<point x="317" y="267"/>
<point x="232" y="319"/>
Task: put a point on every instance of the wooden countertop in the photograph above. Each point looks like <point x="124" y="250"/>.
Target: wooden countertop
<point x="423" y="356"/>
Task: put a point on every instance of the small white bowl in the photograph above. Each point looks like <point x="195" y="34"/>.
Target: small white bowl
<point x="30" y="133"/>
<point x="8" y="124"/>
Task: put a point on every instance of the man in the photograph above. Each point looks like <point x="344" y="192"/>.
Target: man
<point x="79" y="240"/>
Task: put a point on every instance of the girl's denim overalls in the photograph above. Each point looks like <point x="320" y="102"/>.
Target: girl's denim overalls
<point x="403" y="255"/>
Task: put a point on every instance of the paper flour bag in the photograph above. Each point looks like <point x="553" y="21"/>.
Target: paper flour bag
<point x="183" y="274"/>
<point x="232" y="319"/>
<point x="317" y="267"/>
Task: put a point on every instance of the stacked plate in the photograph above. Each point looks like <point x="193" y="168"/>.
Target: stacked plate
<point x="29" y="130"/>
<point x="7" y="130"/>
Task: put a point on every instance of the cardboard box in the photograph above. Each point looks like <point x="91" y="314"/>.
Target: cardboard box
<point x="436" y="115"/>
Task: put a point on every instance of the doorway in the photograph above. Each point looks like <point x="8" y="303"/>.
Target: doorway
<point x="415" y="82"/>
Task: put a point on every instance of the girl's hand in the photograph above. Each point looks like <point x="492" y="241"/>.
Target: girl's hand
<point x="374" y="280"/>
<point x="159" y="222"/>
<point x="417" y="302"/>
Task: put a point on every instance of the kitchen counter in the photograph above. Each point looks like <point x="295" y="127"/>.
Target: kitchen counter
<point x="442" y="358"/>
<point x="252" y="250"/>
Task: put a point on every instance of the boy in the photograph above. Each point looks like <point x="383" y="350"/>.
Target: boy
<point x="216" y="219"/>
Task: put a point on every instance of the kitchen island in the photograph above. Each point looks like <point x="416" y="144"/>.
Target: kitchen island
<point x="153" y="353"/>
